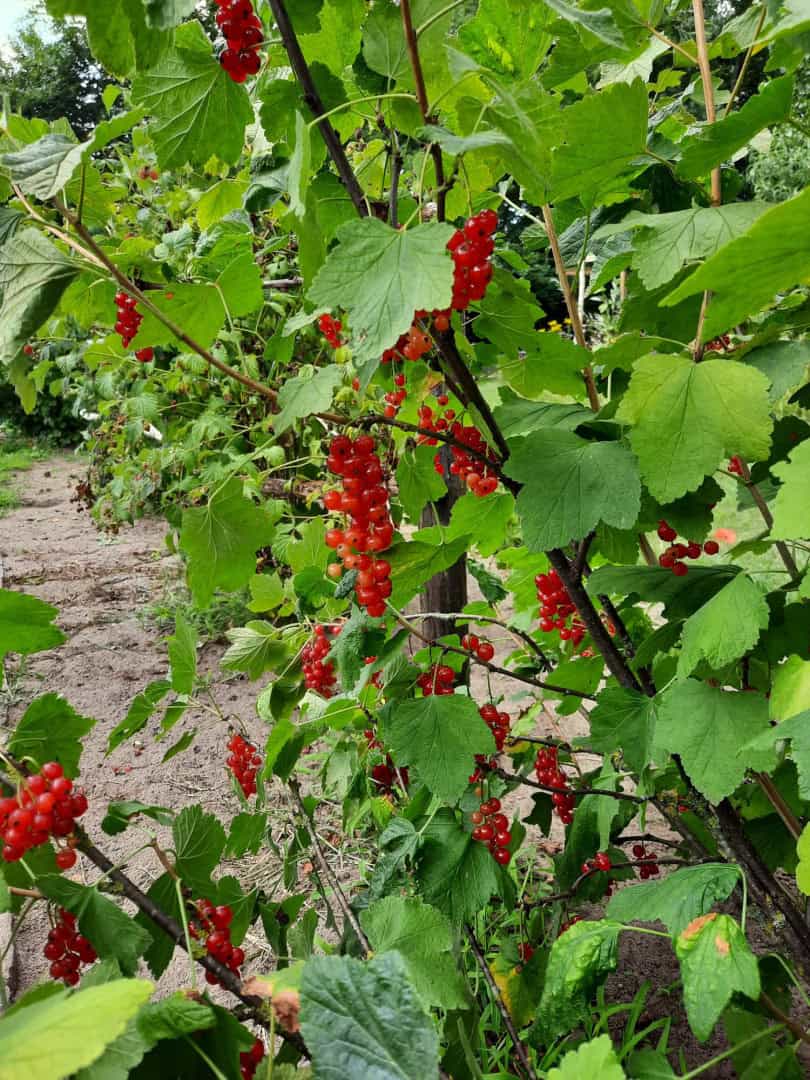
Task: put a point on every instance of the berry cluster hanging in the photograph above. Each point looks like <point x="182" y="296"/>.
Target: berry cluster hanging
<point x="548" y="772"/>
<point x="439" y="679"/>
<point x="242" y="29"/>
<point x="128" y="322"/>
<point x="478" y="476"/>
<point x="491" y="827"/>
<point x="672" y="558"/>
<point x="67" y="950"/>
<point x="557" y="608"/>
<point x="497" y="722"/>
<point x="330" y="328"/>
<point x="212" y="925"/>
<point x="600" y="861"/>
<point x="484" y="650"/>
<point x="319" y="673"/>
<point x="471" y="249"/>
<point x="647" y="864"/>
<point x="244" y="762"/>
<point x="46" y="805"/>
<point x="364" y="499"/>
<point x="250" y="1060"/>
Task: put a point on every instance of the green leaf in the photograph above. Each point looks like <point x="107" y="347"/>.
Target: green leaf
<point x="687" y="418"/>
<point x="173" y="1016"/>
<point x="624" y="720"/>
<point x="745" y="275"/>
<point x="197" y="309"/>
<point x="456" y="873"/>
<point x="119" y="36"/>
<point x="508" y="315"/>
<point x="80" y="1026"/>
<point x="198" y="110"/>
<point x="509" y="37"/>
<point x="26" y="625"/>
<point x="796" y="730"/>
<point x="118" y="815"/>
<point x="570" y="485"/>
<point x="439" y="735"/>
<point x="783" y="363"/>
<point x="199" y="841"/>
<point x="298" y="176"/>
<point x="183" y="655"/>
<point x="514" y="416"/>
<point x="142" y="707"/>
<point x="485" y="520"/>
<point x="549" y="363"/>
<point x="716" y="962"/>
<point x="595" y="1059"/>
<point x="460" y="144"/>
<point x="679" y="595"/>
<point x="51" y="730"/>
<point x="380" y="276"/>
<point x="120" y="1058"/>
<point x="601" y="23"/>
<point x="803" y="867"/>
<point x="725" y="628"/>
<point x="44" y="167"/>
<point x="418" y="481"/>
<point x="790" y="518"/>
<point x="254" y="648"/>
<point x="717" y="142"/>
<point x="422" y="936"/>
<point x="362" y="1020"/>
<point x="247" y="833"/>
<point x="790" y="690"/>
<point x="221" y="199"/>
<point x="706" y="726"/>
<point x="33" y="275"/>
<point x="110" y="930"/>
<point x="310" y="391"/>
<point x="676" y="899"/>
<point x="414" y="563"/>
<point x="166" y="14"/>
<point x="221" y="541"/>
<point x="360" y="637"/>
<point x="580" y="960"/>
<point x="601" y="136"/>
<point x="666" y="242"/>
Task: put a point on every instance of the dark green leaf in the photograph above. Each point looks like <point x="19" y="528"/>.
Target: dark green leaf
<point x="142" y="707"/>
<point x="199" y="841"/>
<point x="51" y="730"/>
<point x="676" y="899"/>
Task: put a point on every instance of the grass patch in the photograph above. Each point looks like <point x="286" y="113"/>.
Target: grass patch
<point x="16" y="455"/>
<point x="225" y="611"/>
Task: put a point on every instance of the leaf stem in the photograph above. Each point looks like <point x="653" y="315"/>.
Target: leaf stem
<point x="181" y="906"/>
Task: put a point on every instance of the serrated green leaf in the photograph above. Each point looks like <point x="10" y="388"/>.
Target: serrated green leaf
<point x="119" y="36"/>
<point x="166" y="14"/>
<point x="550" y="363"/>
<point x="183" y="655"/>
<point x="422" y="935"/>
<point x="624" y="720"/>
<point x="580" y="960"/>
<point x="119" y="814"/>
<point x="221" y="540"/>
<point x="254" y="648"/>
<point x="456" y="873"/>
<point x="380" y="276"/>
<point x="483" y="519"/>
<point x="509" y="38"/>
<point x="359" y="637"/>
<point x="796" y="730"/>
<point x="601" y="23"/>
<point x="142" y="707"/>
<point x="173" y="1016"/>
<point x="439" y="735"/>
<point x="33" y="275"/>
<point x="246" y="833"/>
<point x="199" y="841"/>
<point x="676" y="899"/>
<point x="26" y="625"/>
<point x="570" y="485"/>
<point x="418" y="481"/>
<point x="461" y="144"/>
<point x="219" y="200"/>
<point x="783" y="363"/>
<point x="596" y="1059"/>
<point x="706" y="726"/>
<point x="791" y="519"/>
<point x="44" y="167"/>
<point x="790" y="689"/>
<point x="120" y="1057"/>
<point x="725" y="628"/>
<point x="414" y="563"/>
<point x="687" y="418"/>
<point x="51" y="730"/>
<point x="679" y="595"/>
<point x="197" y="309"/>
<point x="310" y="391"/>
<point x="716" y="962"/>
<point x="80" y="1026"/>
<point x="358" y="1019"/>
<point x="515" y="416"/>
<point x="198" y="110"/>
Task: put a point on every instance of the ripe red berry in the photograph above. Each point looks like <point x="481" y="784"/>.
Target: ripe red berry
<point x="711" y="547"/>
<point x="66" y="859"/>
<point x="485" y="651"/>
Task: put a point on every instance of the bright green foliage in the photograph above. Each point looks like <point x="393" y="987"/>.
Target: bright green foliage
<point x="624" y="720"/>
<point x="716" y="962"/>
<point x="182" y="649"/>
<point x="26" y="625"/>
<point x="380" y="277"/>
<point x="221" y="540"/>
<point x="418" y="481"/>
<point x="803" y="869"/>
<point x="142" y="707"/>
<point x="791" y="516"/>
<point x="687" y="417"/>
<point x="415" y="563"/>
<point x="485" y="520"/>
<point x="43" y="168"/>
<point x="359" y="637"/>
<point x="677" y="899"/>
<point x="118" y="33"/>
<point x="199" y="840"/>
<point x="580" y="959"/>
<point x="166" y="14"/>
<point x="198" y="110"/>
<point x="790" y="693"/>
<point x="508" y="38"/>
<point x="784" y="363"/>
<point x="456" y="874"/>
<point x="361" y="1020"/>
<point x="439" y="736"/>
<point x="308" y="392"/>
<point x="80" y="1026"/>
<point x="196" y="308"/>
<point x="707" y="726"/>
<point x="51" y="729"/>
<point x="796" y="730"/>
<point x="422" y="936"/>
<point x="595" y="1058"/>
<point x="254" y="648"/>
<point x="570" y="486"/>
<point x="221" y="198"/>
<point x="725" y="628"/>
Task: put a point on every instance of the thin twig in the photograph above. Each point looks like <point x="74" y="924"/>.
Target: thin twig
<point x="746" y="61"/>
<point x="579" y="792"/>
<point x="765" y="512"/>
<point x="795" y="1028"/>
<point x="412" y="45"/>
<point x="708" y="87"/>
<point x="506" y="1016"/>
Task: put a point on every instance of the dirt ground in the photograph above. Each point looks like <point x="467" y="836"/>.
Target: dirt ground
<point x="100" y="584"/>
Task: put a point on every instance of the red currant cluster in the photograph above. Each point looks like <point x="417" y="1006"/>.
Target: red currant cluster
<point x="386" y="775"/>
<point x="601" y="861"/>
<point x="482" y="649"/>
<point x="213" y="924"/>
<point x="145" y="173"/>
<point x="672" y="558"/>
<point x="67" y="950"/>
<point x="548" y="772"/>
<point x="250" y="1060"/>
<point x="491" y="827"/>
<point x="410" y="346"/>
<point x="129" y="318"/>
<point x="735" y="465"/>
<point x="365" y="500"/>
<point x="244" y="762"/>
<point x="718" y="344"/>
<point x="438" y="679"/>
<point x="394" y="398"/>
<point x="45" y="806"/>
<point x="330" y="328"/>
<point x="647" y="866"/>
<point x="497" y="722"/>
<point x="319" y="673"/>
<point x="557" y="607"/>
<point x="525" y="951"/>
<point x="471" y="249"/>
<point x="376" y="676"/>
<point x="242" y="29"/>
